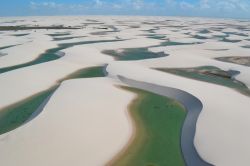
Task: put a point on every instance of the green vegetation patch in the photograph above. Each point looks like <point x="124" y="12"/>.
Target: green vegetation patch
<point x="141" y="53"/>
<point x="151" y="31"/>
<point x="17" y="28"/>
<point x="236" y="33"/>
<point x="236" y="59"/>
<point x="217" y="49"/>
<point x="200" y="37"/>
<point x="209" y="74"/>
<point x="158" y="121"/>
<point x="155" y="36"/>
<point x="59" y="34"/>
<point x="246" y="46"/>
<point x="51" y="54"/>
<point x="15" y="115"/>
<point x="4" y="47"/>
<point x="19" y="35"/>
<point x="133" y="54"/>
<point x="172" y="43"/>
<point x="204" y="31"/>
<point x="230" y="41"/>
<point x="97" y="71"/>
<point x="66" y="38"/>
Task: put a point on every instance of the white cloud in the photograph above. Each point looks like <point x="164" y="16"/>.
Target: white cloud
<point x="117" y="6"/>
<point x="171" y="3"/>
<point x="35" y="5"/>
<point x="212" y="8"/>
<point x="215" y="8"/>
<point x="204" y="4"/>
<point x="228" y="5"/>
<point x="186" y="5"/>
<point x="98" y="3"/>
<point x="138" y="4"/>
<point x="101" y="4"/>
<point x="211" y="4"/>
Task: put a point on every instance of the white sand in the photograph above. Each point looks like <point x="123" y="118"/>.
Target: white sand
<point x="200" y="55"/>
<point x="26" y="52"/>
<point x="20" y="84"/>
<point x="89" y="128"/>
<point x="98" y="128"/>
<point x="221" y="121"/>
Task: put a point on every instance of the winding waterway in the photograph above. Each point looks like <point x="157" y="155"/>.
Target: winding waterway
<point x="194" y="107"/>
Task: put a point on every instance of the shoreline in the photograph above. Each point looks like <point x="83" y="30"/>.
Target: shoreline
<point x="147" y="131"/>
<point x="99" y="144"/>
<point x="132" y="123"/>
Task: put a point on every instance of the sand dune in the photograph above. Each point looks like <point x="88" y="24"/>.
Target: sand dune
<point x="85" y="121"/>
<point x="69" y="133"/>
<point x="27" y="51"/>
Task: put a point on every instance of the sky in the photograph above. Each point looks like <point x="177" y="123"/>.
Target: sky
<point x="198" y="8"/>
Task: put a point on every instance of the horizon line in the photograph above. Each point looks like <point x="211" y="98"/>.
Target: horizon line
<point x="120" y="15"/>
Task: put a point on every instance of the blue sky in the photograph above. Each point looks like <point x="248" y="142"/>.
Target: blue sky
<point x="207" y="8"/>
